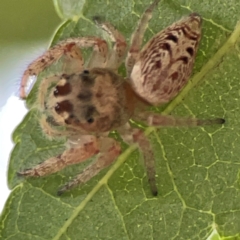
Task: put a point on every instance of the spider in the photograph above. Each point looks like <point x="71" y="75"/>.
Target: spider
<point x="87" y="101"/>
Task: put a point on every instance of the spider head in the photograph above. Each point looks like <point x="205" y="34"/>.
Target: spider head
<point x="92" y="101"/>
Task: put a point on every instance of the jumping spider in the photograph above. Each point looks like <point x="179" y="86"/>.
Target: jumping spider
<point x="90" y="101"/>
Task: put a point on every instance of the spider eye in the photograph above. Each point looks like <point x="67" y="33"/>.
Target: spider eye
<point x="57" y="107"/>
<point x="63" y="88"/>
<point x="90" y="120"/>
<point x="55" y="92"/>
<point x="64" y="106"/>
<point x="86" y="78"/>
<point x="86" y="72"/>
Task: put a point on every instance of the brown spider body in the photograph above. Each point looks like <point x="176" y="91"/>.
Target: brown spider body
<point x="165" y="63"/>
<point x="90" y="101"/>
<point x="94" y="101"/>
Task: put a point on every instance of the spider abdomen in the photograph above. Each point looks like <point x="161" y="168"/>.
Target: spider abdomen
<point x="94" y="100"/>
<point x="166" y="61"/>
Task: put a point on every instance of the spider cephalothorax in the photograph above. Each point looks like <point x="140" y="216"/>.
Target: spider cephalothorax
<point x="90" y="101"/>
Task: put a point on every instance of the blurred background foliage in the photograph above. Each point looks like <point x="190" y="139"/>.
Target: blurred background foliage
<point x="25" y="31"/>
<point x="26" y="27"/>
<point x="24" y="21"/>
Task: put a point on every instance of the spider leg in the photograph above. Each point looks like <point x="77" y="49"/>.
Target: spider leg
<point x="137" y="37"/>
<point x="73" y="155"/>
<point x="68" y="48"/>
<point x="117" y="54"/>
<point x="100" y="53"/>
<point x="109" y="151"/>
<point x="148" y="157"/>
<point x="153" y="119"/>
<point x="43" y="89"/>
<point x="73" y="60"/>
<point x="47" y="125"/>
<point x="135" y="135"/>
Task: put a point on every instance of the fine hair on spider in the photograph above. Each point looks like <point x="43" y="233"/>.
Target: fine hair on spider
<point x="87" y="101"/>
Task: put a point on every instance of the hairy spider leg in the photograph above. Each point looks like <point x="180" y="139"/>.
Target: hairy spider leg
<point x="69" y="49"/>
<point x="43" y="90"/>
<point x="73" y="61"/>
<point x="157" y="120"/>
<point x="117" y="54"/>
<point x="137" y="38"/>
<point x="110" y="149"/>
<point x="99" y="55"/>
<point x="135" y="135"/>
<point x="75" y="154"/>
<point x="148" y="158"/>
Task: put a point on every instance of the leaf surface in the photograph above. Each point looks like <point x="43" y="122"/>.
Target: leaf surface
<point x="197" y="168"/>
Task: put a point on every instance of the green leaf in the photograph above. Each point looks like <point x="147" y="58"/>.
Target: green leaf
<point x="198" y="168"/>
<point x="68" y="9"/>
